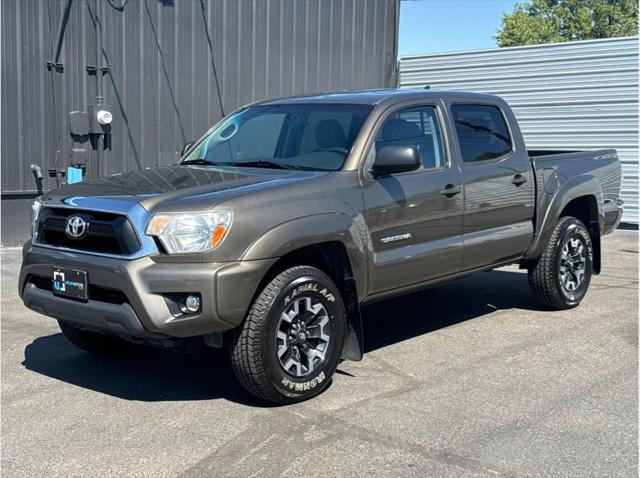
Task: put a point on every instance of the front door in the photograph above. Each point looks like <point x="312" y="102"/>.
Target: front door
<point x="414" y="218"/>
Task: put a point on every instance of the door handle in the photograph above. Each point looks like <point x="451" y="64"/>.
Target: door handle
<point x="451" y="190"/>
<point x="519" y="179"/>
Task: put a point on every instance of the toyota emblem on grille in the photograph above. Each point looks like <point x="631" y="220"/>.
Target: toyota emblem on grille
<point x="76" y="227"/>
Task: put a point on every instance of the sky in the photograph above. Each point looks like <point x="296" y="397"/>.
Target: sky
<point x="431" y="26"/>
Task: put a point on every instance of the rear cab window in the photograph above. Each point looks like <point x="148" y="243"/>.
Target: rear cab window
<point x="482" y="132"/>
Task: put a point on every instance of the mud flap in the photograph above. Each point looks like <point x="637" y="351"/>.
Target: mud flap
<point x="353" y="347"/>
<point x="594" y="232"/>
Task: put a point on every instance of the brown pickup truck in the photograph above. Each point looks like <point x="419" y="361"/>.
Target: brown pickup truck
<point x="289" y="214"/>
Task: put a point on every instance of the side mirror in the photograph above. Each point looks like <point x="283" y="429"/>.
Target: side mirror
<point x="186" y="147"/>
<point x="396" y="159"/>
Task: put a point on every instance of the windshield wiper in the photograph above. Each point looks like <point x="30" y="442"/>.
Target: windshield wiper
<point x="203" y="162"/>
<point x="263" y="163"/>
<point x="257" y="163"/>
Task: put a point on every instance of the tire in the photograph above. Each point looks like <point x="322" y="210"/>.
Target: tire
<point x="91" y="342"/>
<point x="561" y="276"/>
<point x="263" y="348"/>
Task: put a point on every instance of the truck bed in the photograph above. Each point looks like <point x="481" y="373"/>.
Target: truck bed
<point x="601" y="163"/>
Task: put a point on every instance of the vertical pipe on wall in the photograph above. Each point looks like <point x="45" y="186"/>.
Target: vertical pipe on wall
<point x="95" y="168"/>
<point x="99" y="87"/>
<point x="98" y="55"/>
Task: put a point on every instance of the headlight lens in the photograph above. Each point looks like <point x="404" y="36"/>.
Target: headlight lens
<point x="35" y="213"/>
<point x="194" y="232"/>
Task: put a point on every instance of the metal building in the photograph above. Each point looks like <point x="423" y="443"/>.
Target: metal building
<point x="575" y="95"/>
<point x="166" y="70"/>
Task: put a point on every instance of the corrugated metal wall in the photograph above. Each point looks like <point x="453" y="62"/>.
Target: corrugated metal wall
<point x="577" y="95"/>
<point x="162" y="58"/>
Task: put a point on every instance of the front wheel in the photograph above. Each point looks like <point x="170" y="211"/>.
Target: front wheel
<point x="561" y="277"/>
<point x="289" y="345"/>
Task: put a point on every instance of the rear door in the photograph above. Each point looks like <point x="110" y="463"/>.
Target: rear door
<point x="498" y="184"/>
<point x="415" y="222"/>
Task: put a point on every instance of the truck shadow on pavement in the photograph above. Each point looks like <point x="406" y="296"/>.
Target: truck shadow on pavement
<point x="147" y="374"/>
<point x="402" y="318"/>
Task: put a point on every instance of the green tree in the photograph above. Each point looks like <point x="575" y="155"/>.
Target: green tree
<point x="547" y="21"/>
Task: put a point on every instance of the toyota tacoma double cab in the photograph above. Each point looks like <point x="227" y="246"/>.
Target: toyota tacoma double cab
<point x="288" y="215"/>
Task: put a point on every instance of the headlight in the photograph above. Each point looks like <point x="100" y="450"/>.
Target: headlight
<point x="190" y="232"/>
<point x="35" y="213"/>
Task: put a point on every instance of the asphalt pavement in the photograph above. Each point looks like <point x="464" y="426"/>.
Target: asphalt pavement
<point x="469" y="378"/>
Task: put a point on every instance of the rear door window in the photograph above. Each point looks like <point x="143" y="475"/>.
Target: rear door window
<point x="482" y="132"/>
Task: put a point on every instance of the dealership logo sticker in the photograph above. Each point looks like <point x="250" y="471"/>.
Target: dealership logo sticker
<point x="59" y="282"/>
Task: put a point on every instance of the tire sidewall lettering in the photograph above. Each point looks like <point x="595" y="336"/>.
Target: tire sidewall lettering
<point x="311" y="286"/>
<point x="303" y="386"/>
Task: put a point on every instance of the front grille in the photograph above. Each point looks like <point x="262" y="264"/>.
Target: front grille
<point x="107" y="233"/>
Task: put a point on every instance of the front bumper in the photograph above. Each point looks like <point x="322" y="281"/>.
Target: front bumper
<point x="226" y="290"/>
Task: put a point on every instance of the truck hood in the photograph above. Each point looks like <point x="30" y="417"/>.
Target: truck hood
<point x="176" y="188"/>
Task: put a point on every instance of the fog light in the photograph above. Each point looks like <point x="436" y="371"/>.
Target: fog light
<point x="191" y="304"/>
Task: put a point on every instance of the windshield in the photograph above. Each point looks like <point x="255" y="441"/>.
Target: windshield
<point x="301" y="136"/>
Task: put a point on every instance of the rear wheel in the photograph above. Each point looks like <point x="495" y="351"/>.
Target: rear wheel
<point x="91" y="342"/>
<point x="561" y="276"/>
<point x="289" y="345"/>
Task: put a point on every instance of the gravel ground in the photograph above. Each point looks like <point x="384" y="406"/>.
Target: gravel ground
<point x="465" y="379"/>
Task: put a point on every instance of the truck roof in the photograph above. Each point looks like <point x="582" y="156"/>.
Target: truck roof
<point x="374" y="97"/>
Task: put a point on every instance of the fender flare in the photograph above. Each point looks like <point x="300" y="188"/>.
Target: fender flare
<point x="312" y="230"/>
<point x="322" y="228"/>
<point x="554" y="203"/>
